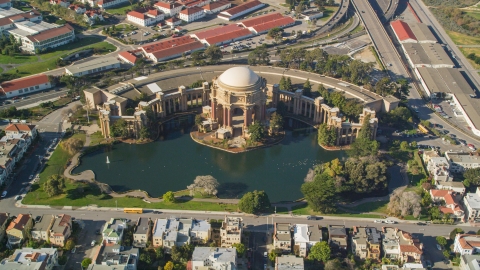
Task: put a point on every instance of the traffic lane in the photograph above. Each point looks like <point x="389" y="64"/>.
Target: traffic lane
<point x="35" y="98"/>
<point x="84" y="238"/>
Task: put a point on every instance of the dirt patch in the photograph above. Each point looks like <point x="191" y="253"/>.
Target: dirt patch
<point x="366" y="56"/>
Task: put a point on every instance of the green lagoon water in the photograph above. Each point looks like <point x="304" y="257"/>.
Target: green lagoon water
<point x="173" y="163"/>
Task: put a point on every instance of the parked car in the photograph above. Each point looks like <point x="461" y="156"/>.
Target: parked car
<point x="4" y="194"/>
<point x="439" y="247"/>
<point x="388" y="221"/>
<point x="472" y="147"/>
<point x="378" y="221"/>
<point x="93" y="243"/>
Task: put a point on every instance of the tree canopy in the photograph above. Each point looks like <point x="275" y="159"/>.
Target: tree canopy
<point x="169" y="197"/>
<point x="54" y="185"/>
<point x="214" y="53"/>
<point x="259" y="56"/>
<point x="472" y="177"/>
<point x="256" y="131"/>
<point x="207" y="185"/>
<point x="363" y="144"/>
<point x="320" y="252"/>
<point x="72" y="145"/>
<point x="326" y="135"/>
<point x="254" y="202"/>
<point x="320" y="193"/>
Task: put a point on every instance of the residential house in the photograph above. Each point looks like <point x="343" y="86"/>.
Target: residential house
<point x="142" y="232"/>
<point x="117" y="257"/>
<point x="469" y="262"/>
<point x="16" y="230"/>
<point x="438" y="168"/>
<point x="105" y="4"/>
<point x="282" y="237"/>
<point x="213" y="258"/>
<point x="145" y="17"/>
<point x="26" y="85"/>
<point x="3" y="225"/>
<point x="359" y="242"/>
<point x="466" y="244"/>
<point x="61" y="3"/>
<point x="61" y="230"/>
<point x="12" y="148"/>
<point x="374" y="242"/>
<point x="93" y="16"/>
<point x="79" y="9"/>
<point x="169" y="8"/>
<point x="31" y="259"/>
<point x="459" y="162"/>
<point x="456" y="187"/>
<point x="390" y="243"/>
<point x="337" y="236"/>
<point x="472" y="204"/>
<point x="304" y="237"/>
<point x="41" y="229"/>
<point x="289" y="262"/>
<point x="231" y="231"/>
<point x="427" y="155"/>
<point x="201" y="231"/>
<point x="173" y="21"/>
<point x="171" y="232"/>
<point x="217" y="6"/>
<point x="113" y="230"/>
<point x="191" y="14"/>
<point x="15" y="129"/>
<point x="410" y="249"/>
<point x="452" y="208"/>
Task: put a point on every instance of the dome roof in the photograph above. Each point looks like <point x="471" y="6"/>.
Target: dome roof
<point x="241" y="77"/>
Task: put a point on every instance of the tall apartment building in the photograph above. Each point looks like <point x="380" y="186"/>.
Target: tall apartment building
<point x="231" y="231"/>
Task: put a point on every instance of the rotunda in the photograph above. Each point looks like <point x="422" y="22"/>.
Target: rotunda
<point x="238" y="98"/>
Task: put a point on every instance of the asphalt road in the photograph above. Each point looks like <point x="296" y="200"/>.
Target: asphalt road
<point x="385" y="48"/>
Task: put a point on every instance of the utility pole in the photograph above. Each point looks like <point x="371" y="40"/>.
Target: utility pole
<point x="116" y="205"/>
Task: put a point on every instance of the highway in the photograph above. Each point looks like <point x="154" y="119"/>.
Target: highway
<point x="386" y="50"/>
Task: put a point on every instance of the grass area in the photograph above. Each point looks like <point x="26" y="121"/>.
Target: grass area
<point x="71" y="46"/>
<point x="467" y="51"/>
<point x="379" y="207"/>
<point x="281" y="210"/>
<point x="41" y="112"/>
<point x="476" y="15"/>
<point x="357" y="29"/>
<point x="120" y="10"/>
<point x="96" y="138"/>
<point x="462" y="39"/>
<point x="197" y="194"/>
<point x="17" y="59"/>
<point x="306" y="210"/>
<point x="329" y="11"/>
<point x="1" y="70"/>
<point x="379" y="62"/>
<point x="34" y="67"/>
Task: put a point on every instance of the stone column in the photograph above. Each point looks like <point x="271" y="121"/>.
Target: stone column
<point x="229" y="116"/>
<point x="214" y="107"/>
<point x="225" y="122"/>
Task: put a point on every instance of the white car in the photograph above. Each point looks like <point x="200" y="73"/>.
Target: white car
<point x="4" y="194"/>
<point x="30" y="177"/>
<point x="378" y="221"/>
<point x="390" y="221"/>
<point x="439" y="247"/>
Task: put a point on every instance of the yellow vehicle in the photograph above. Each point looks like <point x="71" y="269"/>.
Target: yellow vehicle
<point x="133" y="210"/>
<point x="422" y="129"/>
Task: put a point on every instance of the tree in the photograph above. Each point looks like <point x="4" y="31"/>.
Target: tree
<point x="288" y="84"/>
<point x="240" y="249"/>
<point x="404" y="146"/>
<point x="254" y="202"/>
<point x="403" y="203"/>
<point x="168" y="266"/>
<point x="307" y="88"/>
<point x="198" y="121"/>
<point x="54" y="185"/>
<point x="169" y="197"/>
<point x="206" y="183"/>
<point x="320" y="193"/>
<point x="145" y="258"/>
<point x="276" y="122"/>
<point x="214" y="53"/>
<point x="259" y="56"/>
<point x="119" y="129"/>
<point x="144" y="133"/>
<point x="320" y="252"/>
<point x="86" y="262"/>
<point x="442" y="241"/>
<point x="364" y="145"/>
<point x="283" y="84"/>
<point x="256" y="132"/>
<point x="159" y="253"/>
<point x="300" y="8"/>
<point x="275" y="33"/>
<point x="335" y="264"/>
<point x="453" y="233"/>
<point x="327" y="136"/>
<point x="472" y="176"/>
<point x="69" y="245"/>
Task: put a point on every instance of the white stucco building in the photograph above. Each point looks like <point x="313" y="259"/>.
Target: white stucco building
<point x="466" y="244"/>
<point x="169" y="8"/>
<point x="459" y="162"/>
<point x="94" y="66"/>
<point x="191" y="14"/>
<point x="25" y="85"/>
<point x="113" y="230"/>
<point x="213" y="258"/>
<point x="145" y="17"/>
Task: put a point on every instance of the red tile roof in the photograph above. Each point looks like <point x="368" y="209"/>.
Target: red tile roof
<point x="215" y="5"/>
<point x="191" y="10"/>
<point x="172" y="19"/>
<point x="402" y="30"/>
<point x="161" y="45"/>
<point x="51" y="33"/>
<point x="128" y="56"/>
<point x="216" y="31"/>
<point x="19" y="223"/>
<point x="439" y="192"/>
<point x="5" y="1"/>
<point x="242" y="7"/>
<point x="154" y="12"/>
<point x="470" y="243"/>
<point x="19" y="127"/>
<point x="178" y="49"/>
<point x="168" y="5"/>
<point x="228" y="36"/>
<point x="5" y="21"/>
<point x="137" y="15"/>
<point x="261" y="19"/>
<point x="24" y="83"/>
<point x="272" y="24"/>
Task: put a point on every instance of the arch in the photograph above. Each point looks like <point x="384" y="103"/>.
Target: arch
<point x="238" y="115"/>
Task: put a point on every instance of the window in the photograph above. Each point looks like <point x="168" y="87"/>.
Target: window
<point x="37" y="87"/>
<point x="31" y="88"/>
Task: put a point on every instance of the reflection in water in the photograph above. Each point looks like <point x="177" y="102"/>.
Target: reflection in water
<point x="173" y="163"/>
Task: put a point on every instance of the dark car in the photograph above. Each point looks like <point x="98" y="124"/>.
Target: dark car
<point x="38" y="218"/>
<point x="421" y="223"/>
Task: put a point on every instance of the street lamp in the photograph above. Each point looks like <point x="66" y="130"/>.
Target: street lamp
<point x="199" y="68"/>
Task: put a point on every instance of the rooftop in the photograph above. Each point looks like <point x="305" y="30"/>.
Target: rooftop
<point x="17" y="84"/>
<point x="216" y="31"/>
<point x="261" y="19"/>
<point x="44" y="223"/>
<point x="421" y="32"/>
<point x="61" y="223"/>
<point x="191" y="10"/>
<point x="235" y="10"/>
<point x="28" y="259"/>
<point x="402" y="30"/>
<point x="97" y="63"/>
<point x="281" y="22"/>
<point x="241" y="32"/>
<point x="427" y="54"/>
<point x="456" y="157"/>
<point x="215" y="5"/>
<point x="142" y="226"/>
<point x="203" y="254"/>
<point x="289" y="262"/>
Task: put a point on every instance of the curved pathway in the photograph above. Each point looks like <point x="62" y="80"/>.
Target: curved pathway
<point x="87" y="175"/>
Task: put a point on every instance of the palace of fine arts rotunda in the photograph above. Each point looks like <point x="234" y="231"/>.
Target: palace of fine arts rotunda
<point x="231" y="102"/>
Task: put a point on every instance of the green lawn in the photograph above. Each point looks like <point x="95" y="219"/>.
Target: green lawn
<point x="329" y="11"/>
<point x="120" y="10"/>
<point x="96" y="138"/>
<point x="1" y="70"/>
<point x="462" y="39"/>
<point x="306" y="210"/>
<point x="476" y="15"/>
<point x="35" y="67"/>
<point x="467" y="51"/>
<point x="17" y="59"/>
<point x="379" y="207"/>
